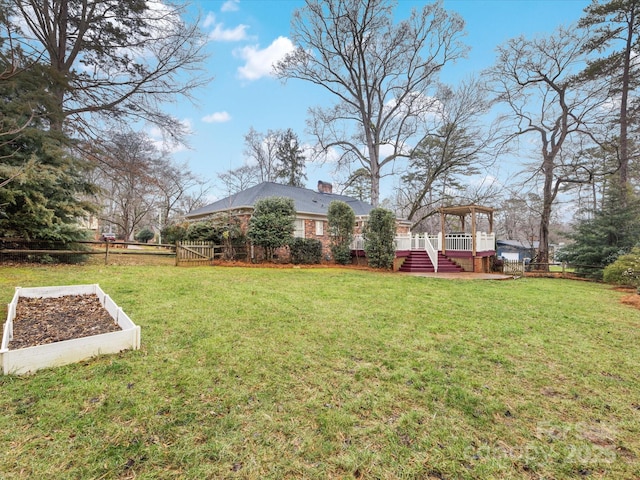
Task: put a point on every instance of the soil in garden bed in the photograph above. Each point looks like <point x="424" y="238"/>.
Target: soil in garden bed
<point x="39" y="321"/>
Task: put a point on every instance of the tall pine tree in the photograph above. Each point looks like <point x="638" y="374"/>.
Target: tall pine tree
<point x="616" y="38"/>
<point x="42" y="187"/>
<point x="289" y="153"/>
<point x="609" y="233"/>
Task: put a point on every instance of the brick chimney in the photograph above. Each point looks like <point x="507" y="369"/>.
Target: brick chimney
<point x="324" y="187"/>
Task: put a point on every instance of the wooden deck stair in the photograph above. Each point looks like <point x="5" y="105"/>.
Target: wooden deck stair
<point x="418" y="261"/>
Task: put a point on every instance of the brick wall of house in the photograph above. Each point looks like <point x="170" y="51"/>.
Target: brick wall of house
<point x="402" y="228"/>
<point x="244" y="221"/>
<point x="310" y="232"/>
<point x="283" y="254"/>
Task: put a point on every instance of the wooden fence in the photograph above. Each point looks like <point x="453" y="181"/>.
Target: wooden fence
<point x="513" y="267"/>
<point x="195" y="253"/>
<point x="185" y="253"/>
<point x="25" y="251"/>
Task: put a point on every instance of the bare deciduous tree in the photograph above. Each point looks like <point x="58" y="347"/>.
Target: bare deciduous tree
<point x="141" y="186"/>
<point x="549" y="104"/>
<point x="176" y="185"/>
<point x="239" y="179"/>
<point x="127" y="179"/>
<point x="380" y="73"/>
<point x="518" y="217"/>
<point x="194" y="199"/>
<point x="457" y="147"/>
<point x="261" y="152"/>
<point x="113" y="61"/>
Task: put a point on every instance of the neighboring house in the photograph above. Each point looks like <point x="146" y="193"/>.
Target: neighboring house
<point x="516" y="250"/>
<point x="311" y="209"/>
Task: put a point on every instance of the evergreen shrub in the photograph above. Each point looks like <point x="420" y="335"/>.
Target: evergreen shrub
<point x="201" y="231"/>
<point x="305" y="250"/>
<point x="272" y="224"/>
<point x="341" y="254"/>
<point x="342" y="220"/>
<point x="174" y="233"/>
<point x="625" y="270"/>
<point x="145" y="235"/>
<point x="379" y="235"/>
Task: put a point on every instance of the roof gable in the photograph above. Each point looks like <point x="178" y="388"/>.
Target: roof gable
<point x="305" y="200"/>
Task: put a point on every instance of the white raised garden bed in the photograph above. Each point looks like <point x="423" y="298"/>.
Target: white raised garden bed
<point x="30" y="359"/>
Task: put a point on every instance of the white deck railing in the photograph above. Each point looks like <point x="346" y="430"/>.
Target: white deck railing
<point x="485" y="242"/>
<point x="462" y="242"/>
<point x="358" y="243"/>
<point x="430" y="248"/>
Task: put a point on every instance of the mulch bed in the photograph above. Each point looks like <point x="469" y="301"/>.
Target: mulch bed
<point x="285" y="266"/>
<point x="40" y="321"/>
<point x="632" y="298"/>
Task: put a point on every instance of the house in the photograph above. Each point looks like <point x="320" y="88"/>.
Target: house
<point x="311" y="209"/>
<point x="524" y="251"/>
<point x="516" y="250"/>
<point x="466" y="249"/>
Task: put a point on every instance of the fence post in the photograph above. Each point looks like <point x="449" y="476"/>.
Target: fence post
<point x="177" y="253"/>
<point x="106" y="253"/>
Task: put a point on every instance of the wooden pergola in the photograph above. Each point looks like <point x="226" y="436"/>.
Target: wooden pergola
<point x="462" y="212"/>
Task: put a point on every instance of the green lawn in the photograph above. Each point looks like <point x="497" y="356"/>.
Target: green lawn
<point x="331" y="373"/>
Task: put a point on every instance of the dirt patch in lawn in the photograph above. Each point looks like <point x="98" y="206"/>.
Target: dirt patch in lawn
<point x="40" y="321"/>
<point x="632" y="300"/>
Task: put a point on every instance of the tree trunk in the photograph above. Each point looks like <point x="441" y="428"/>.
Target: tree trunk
<point x="624" y="102"/>
<point x="375" y="179"/>
<point x="56" y="46"/>
<point x="545" y="217"/>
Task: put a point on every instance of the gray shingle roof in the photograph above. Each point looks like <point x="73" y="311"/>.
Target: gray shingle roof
<point x="305" y="200"/>
<point x="518" y="243"/>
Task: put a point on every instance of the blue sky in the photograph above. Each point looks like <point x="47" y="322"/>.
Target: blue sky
<point x="246" y="36"/>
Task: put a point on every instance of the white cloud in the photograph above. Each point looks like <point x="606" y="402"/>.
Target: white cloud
<point x="221" y="34"/>
<point x="230" y="6"/>
<point x="217" y="117"/>
<point x="259" y="63"/>
<point x="209" y="20"/>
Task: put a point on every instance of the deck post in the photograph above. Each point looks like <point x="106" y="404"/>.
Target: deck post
<point x="444" y="242"/>
<point x="473" y="232"/>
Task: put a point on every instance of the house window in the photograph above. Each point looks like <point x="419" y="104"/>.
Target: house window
<point x="299" y="230"/>
<point x="319" y="228"/>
